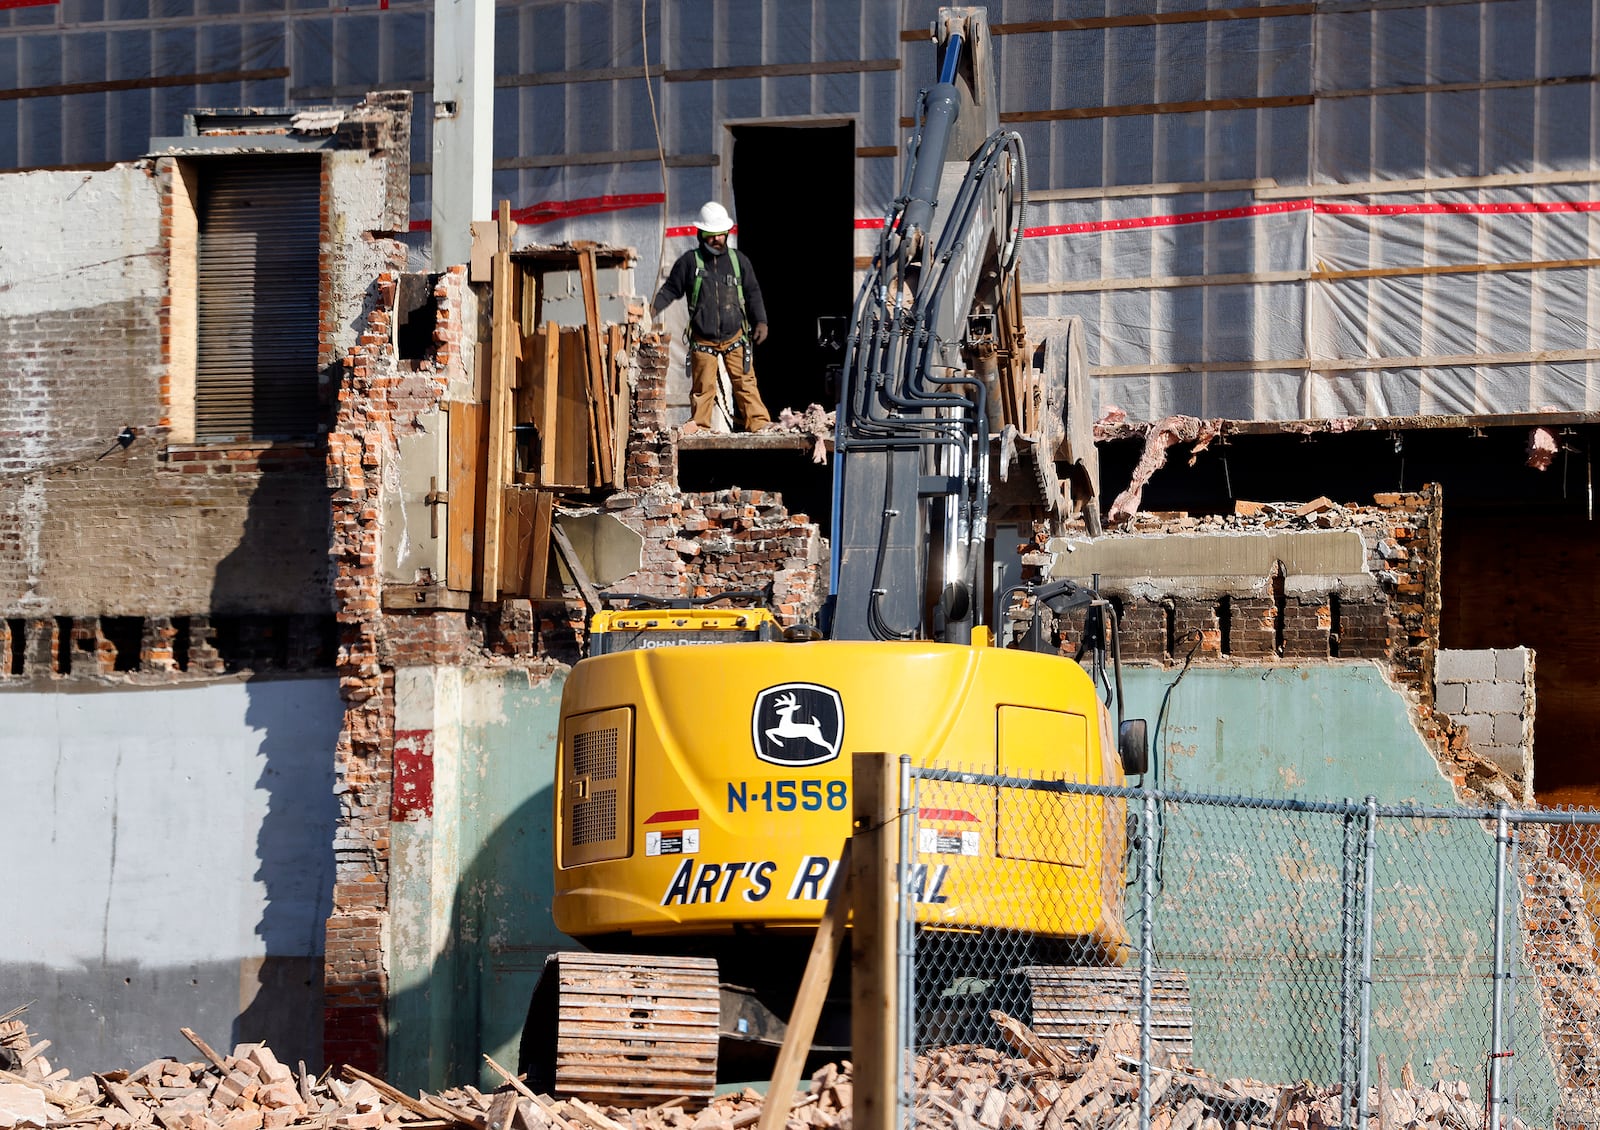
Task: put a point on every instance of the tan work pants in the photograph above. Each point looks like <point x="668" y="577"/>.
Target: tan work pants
<point x="742" y="376"/>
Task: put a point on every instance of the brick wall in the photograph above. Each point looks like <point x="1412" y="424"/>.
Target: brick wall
<point x="379" y="399"/>
<point x="92" y="527"/>
<point x="1258" y="618"/>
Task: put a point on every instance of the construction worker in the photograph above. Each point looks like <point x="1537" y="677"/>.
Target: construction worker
<point x="726" y="317"/>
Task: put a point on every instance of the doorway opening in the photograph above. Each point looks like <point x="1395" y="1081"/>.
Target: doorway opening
<point x="794" y="197"/>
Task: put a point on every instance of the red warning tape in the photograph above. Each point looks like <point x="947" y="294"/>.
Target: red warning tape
<point x="548" y="210"/>
<point x="1318" y="207"/>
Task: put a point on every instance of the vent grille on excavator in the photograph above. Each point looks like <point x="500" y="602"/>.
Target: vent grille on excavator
<point x="594" y="820"/>
<point x="594" y="754"/>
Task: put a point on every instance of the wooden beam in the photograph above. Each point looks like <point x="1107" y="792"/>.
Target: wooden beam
<point x="549" y="401"/>
<point x="784" y="70"/>
<point x="1356" y="364"/>
<point x="874" y="967"/>
<point x="205" y="78"/>
<point x="499" y="398"/>
<point x="808" y="1002"/>
<point x="599" y="401"/>
<point x="617" y="381"/>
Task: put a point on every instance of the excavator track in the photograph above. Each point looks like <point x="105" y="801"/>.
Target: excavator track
<point x="1072" y="1006"/>
<point x="626" y="1030"/>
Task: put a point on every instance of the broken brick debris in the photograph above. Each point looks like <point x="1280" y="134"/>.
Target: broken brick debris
<point x="1042" y="1085"/>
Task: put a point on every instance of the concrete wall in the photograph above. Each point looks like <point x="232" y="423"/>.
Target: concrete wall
<point x="171" y="865"/>
<point x="471" y="868"/>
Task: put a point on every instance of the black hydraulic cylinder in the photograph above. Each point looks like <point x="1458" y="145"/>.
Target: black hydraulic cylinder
<point x="942" y="107"/>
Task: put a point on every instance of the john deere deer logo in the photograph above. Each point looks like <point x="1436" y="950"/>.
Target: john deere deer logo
<point x="797" y="724"/>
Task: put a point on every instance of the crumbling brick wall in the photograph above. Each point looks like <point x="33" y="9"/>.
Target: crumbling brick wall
<point x="1397" y="623"/>
<point x="700" y="543"/>
<point x="378" y="400"/>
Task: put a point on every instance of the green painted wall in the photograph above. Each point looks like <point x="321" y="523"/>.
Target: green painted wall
<point x="1251" y="900"/>
<point x="1249" y="903"/>
<point x="471" y="888"/>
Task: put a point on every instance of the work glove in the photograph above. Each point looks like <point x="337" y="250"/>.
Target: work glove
<point x="759" y="333"/>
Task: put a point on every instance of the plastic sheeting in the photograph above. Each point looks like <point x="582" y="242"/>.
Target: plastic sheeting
<point x="1215" y="185"/>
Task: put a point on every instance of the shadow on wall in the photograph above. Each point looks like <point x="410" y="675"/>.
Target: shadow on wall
<point x="280" y="991"/>
<point x="273" y="619"/>
<point x="472" y="997"/>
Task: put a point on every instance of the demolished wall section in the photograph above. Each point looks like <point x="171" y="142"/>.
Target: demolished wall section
<point x="697" y="543"/>
<point x="1384" y="607"/>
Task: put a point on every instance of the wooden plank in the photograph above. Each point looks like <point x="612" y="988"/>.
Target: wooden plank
<point x="572" y="427"/>
<point x="424" y="1107"/>
<point x="205" y="1049"/>
<point x="549" y="403"/>
<point x="499" y="422"/>
<point x="539" y="552"/>
<point x="526" y="407"/>
<point x="591" y="595"/>
<point x="617" y="372"/>
<point x="542" y="1104"/>
<point x="874" y="934"/>
<point x="808" y="1004"/>
<point x="464" y="458"/>
<point x="599" y="439"/>
<point x="599" y="401"/>
<point x="516" y="540"/>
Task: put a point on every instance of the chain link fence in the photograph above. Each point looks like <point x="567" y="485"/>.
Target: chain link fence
<point x="1082" y="956"/>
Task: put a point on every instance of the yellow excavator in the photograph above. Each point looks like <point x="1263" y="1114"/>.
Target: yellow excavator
<point x="703" y="793"/>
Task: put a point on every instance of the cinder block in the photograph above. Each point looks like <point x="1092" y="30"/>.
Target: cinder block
<point x="1480" y="729"/>
<point x="1451" y="698"/>
<point x="1494" y="698"/>
<point x="1511" y="664"/>
<point x="1507" y="758"/>
<point x="1461" y="666"/>
<point x="1509" y="729"/>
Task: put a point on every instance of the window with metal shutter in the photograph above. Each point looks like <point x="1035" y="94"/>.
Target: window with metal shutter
<point x="258" y="281"/>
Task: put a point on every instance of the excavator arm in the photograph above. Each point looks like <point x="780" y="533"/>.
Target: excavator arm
<point x="911" y="486"/>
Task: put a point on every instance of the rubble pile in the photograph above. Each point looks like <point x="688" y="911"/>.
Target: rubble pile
<point x="970" y="1087"/>
<point x="1044" y="1086"/>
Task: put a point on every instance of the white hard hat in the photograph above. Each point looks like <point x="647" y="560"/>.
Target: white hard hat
<point x="714" y="219"/>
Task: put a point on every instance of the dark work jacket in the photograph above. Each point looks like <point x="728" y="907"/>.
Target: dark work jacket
<point x="717" y="317"/>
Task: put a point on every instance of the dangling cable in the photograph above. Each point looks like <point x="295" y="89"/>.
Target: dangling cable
<point x="661" y="153"/>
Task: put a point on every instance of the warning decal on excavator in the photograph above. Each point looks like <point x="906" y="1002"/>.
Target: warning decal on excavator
<point x="797" y="724"/>
<point x="679" y="841"/>
<point x="947" y="841"/>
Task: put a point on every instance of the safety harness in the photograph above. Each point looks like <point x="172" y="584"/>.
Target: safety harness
<point x="700" y="273"/>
